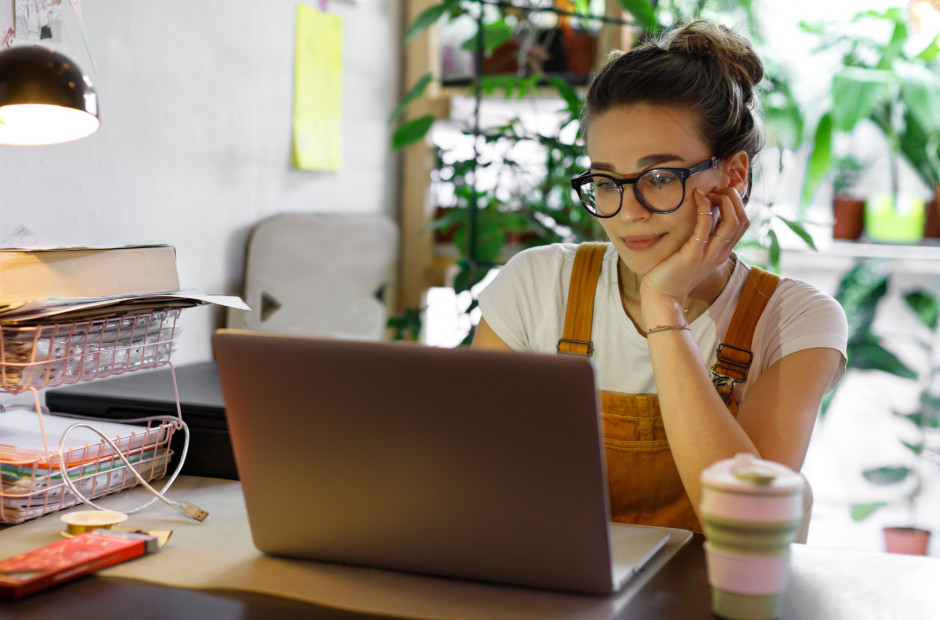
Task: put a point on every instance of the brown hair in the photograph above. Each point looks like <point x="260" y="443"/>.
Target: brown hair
<point x="703" y="67"/>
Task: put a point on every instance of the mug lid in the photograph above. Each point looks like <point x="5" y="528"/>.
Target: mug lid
<point x="747" y="473"/>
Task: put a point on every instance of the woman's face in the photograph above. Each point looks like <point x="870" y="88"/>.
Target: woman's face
<point x="625" y="142"/>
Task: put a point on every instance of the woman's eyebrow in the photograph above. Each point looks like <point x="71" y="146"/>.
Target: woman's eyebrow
<point x="645" y="162"/>
<point x="651" y="160"/>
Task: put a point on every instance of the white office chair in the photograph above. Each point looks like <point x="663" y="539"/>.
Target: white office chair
<point x="318" y="274"/>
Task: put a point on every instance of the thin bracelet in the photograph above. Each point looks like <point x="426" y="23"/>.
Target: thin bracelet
<point x="666" y="328"/>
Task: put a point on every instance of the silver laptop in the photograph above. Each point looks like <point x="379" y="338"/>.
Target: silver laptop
<point x="480" y="465"/>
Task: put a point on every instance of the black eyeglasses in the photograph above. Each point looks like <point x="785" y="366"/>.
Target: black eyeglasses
<point x="659" y="190"/>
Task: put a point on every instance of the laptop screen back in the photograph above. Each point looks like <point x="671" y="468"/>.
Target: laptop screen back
<point x="465" y="463"/>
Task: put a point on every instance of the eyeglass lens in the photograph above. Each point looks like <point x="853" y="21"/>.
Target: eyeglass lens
<point x="657" y="190"/>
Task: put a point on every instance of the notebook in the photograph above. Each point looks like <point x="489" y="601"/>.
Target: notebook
<point x="480" y="465"/>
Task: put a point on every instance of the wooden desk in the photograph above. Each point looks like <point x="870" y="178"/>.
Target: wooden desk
<point x="825" y="584"/>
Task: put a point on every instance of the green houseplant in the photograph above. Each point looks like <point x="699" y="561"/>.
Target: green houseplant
<point x="861" y="292"/>
<point x="883" y="81"/>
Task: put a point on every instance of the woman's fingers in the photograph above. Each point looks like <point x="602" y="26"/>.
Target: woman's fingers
<point x="708" y="215"/>
<point x="732" y="221"/>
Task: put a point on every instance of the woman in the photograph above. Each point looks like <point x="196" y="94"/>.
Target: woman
<point x="671" y="132"/>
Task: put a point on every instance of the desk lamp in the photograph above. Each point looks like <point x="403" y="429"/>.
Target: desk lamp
<point x="44" y="98"/>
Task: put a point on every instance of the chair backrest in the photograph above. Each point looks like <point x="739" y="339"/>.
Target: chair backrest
<point x="318" y="274"/>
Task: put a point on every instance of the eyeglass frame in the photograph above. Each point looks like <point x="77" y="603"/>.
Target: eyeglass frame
<point x="682" y="173"/>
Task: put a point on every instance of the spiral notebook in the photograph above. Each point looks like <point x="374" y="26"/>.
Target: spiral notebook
<point x="477" y="465"/>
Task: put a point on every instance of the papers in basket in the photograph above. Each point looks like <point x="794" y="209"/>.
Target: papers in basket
<point x="81" y="308"/>
<point x="21" y="438"/>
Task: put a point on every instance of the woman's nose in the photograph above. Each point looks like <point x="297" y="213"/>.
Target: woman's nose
<point x="630" y="208"/>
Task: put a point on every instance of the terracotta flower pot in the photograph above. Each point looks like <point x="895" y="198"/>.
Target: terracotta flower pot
<point x="581" y="48"/>
<point x="849" y="215"/>
<point x="504" y="59"/>
<point x="908" y="540"/>
<point x="932" y="222"/>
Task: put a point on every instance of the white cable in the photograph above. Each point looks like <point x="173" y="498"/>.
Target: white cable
<point x="190" y="510"/>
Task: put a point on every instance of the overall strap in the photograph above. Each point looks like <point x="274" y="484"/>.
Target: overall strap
<point x="734" y="352"/>
<point x="579" y="313"/>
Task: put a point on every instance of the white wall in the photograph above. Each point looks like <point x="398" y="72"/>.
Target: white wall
<point x="195" y="143"/>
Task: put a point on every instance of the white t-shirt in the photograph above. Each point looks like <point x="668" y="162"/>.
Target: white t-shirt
<point x="525" y="307"/>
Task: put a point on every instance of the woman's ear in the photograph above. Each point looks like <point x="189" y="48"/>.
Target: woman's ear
<point x="736" y="168"/>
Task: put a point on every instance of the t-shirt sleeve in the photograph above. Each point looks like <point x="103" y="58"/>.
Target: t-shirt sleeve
<point x="805" y="318"/>
<point x="525" y="289"/>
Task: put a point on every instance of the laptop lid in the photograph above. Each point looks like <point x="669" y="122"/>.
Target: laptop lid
<point x="483" y="465"/>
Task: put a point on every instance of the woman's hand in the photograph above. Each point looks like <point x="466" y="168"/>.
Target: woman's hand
<point x="670" y="282"/>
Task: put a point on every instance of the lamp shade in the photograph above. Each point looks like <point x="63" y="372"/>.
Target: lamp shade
<point x="44" y="98"/>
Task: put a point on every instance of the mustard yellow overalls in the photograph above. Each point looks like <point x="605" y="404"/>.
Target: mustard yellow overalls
<point x="642" y="478"/>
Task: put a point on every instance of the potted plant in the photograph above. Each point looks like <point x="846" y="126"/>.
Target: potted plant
<point x="882" y="81"/>
<point x="848" y="210"/>
<point x="860" y="292"/>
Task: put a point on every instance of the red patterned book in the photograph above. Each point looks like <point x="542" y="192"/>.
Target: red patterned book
<point x="67" y="559"/>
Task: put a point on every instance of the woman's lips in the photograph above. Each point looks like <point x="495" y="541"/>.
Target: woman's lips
<point x="638" y="243"/>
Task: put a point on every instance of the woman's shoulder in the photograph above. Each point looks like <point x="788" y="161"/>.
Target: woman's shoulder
<point x="791" y="297"/>
<point x="800" y="292"/>
<point x="787" y="287"/>
<point x="551" y="257"/>
<point x="549" y="252"/>
<point x="796" y="300"/>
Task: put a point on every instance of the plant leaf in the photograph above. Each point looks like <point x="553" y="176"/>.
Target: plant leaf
<point x="819" y="159"/>
<point x="924" y="306"/>
<point x="854" y="93"/>
<point x="930" y="52"/>
<point x="407" y="325"/>
<point x="860" y="512"/>
<point x="797" y="227"/>
<point x="416" y="91"/>
<point x="494" y="35"/>
<point x="568" y="94"/>
<point x="642" y="11"/>
<point x="467" y="277"/>
<point x="773" y="252"/>
<point x="425" y="19"/>
<point x="920" y="92"/>
<point x="913" y="447"/>
<point x="884" y="476"/>
<point x="412" y="131"/>
<point x="860" y="292"/>
<point x="929" y="416"/>
<point x="869" y="355"/>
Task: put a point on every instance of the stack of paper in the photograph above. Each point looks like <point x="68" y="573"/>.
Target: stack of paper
<point x="68" y="283"/>
<point x="21" y="437"/>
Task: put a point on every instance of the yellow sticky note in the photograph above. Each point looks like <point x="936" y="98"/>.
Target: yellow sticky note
<point x="318" y="90"/>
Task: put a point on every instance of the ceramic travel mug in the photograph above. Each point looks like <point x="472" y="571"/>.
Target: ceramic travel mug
<point x="752" y="511"/>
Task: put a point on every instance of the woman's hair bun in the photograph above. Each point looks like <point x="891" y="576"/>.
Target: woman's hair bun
<point x="731" y="52"/>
